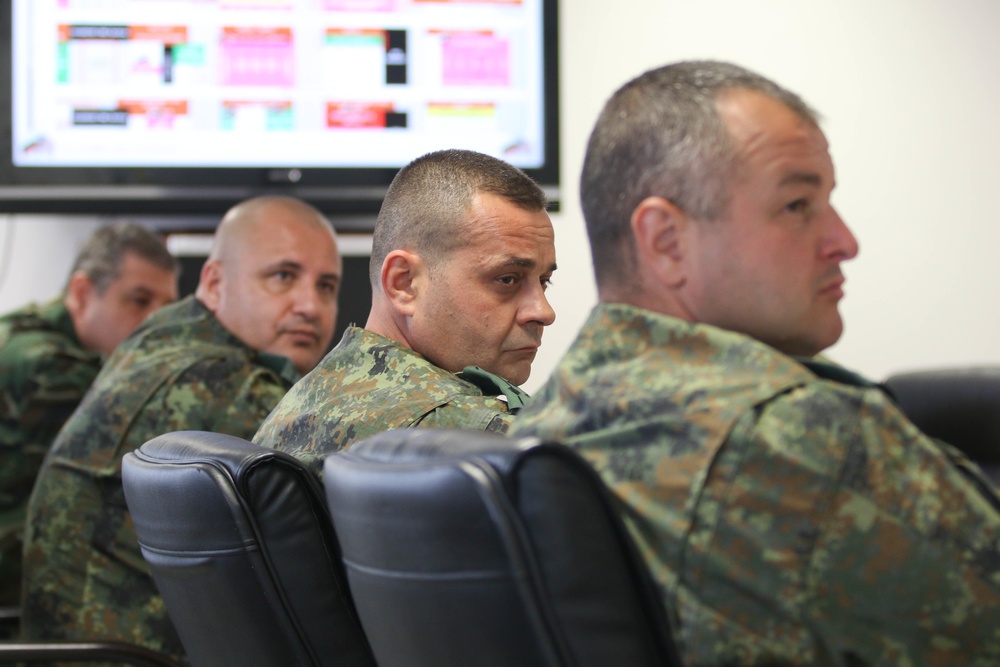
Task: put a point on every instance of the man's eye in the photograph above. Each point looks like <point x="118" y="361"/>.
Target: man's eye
<point x="507" y="280"/>
<point x="546" y="283"/>
<point x="283" y="277"/>
<point x="142" y="301"/>
<point x="797" y="206"/>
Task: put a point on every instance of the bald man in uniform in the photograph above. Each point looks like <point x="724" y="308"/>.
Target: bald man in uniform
<point x="263" y="313"/>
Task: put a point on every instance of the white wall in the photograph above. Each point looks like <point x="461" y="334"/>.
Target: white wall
<point x="36" y="254"/>
<point x="908" y="89"/>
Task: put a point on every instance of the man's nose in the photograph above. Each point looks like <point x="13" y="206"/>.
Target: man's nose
<point x="840" y="241"/>
<point x="538" y="309"/>
<point x="307" y="300"/>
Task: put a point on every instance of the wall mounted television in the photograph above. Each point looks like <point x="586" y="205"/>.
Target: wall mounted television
<point x="183" y="107"/>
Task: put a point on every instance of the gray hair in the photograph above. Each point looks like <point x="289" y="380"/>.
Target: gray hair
<point x="102" y="255"/>
<point x="661" y="135"/>
<point x="428" y="200"/>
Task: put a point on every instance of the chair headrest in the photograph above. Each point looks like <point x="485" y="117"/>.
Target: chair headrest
<point x="236" y="454"/>
<point x="958" y="405"/>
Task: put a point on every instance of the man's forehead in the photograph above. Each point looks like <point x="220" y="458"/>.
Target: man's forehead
<point x="751" y="116"/>
<point x="134" y="265"/>
<point x="286" y="240"/>
<point x="501" y="217"/>
<point x="769" y="135"/>
<point x="292" y="264"/>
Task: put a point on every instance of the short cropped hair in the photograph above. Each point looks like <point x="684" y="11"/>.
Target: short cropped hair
<point x="661" y="135"/>
<point x="101" y="256"/>
<point x="428" y="200"/>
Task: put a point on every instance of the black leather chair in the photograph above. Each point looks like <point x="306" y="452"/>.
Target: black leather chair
<point x="472" y="549"/>
<point x="242" y="549"/>
<point x="958" y="405"/>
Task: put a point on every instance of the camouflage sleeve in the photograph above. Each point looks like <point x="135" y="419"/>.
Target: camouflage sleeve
<point x="37" y="396"/>
<point x="828" y="515"/>
<point x="482" y="413"/>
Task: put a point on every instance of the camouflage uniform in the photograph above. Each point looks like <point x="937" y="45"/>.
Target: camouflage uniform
<point x="790" y="512"/>
<point x="84" y="574"/>
<point x="44" y="372"/>
<point x="369" y="384"/>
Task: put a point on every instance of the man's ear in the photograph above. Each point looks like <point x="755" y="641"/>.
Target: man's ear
<point x="661" y="229"/>
<point x="79" y="293"/>
<point x="209" y="290"/>
<point x="403" y="277"/>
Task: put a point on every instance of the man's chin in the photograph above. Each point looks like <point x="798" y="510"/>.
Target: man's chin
<point x="516" y="376"/>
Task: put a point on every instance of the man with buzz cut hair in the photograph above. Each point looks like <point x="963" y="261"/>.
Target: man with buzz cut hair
<point x="263" y="313"/>
<point x="789" y="511"/>
<point x="51" y="353"/>
<point x="462" y="254"/>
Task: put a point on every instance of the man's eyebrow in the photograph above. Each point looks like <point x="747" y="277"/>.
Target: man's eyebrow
<point x="522" y="262"/>
<point x="283" y="264"/>
<point x="801" y="178"/>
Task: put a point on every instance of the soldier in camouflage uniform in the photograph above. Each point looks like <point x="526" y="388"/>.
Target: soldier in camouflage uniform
<point x="220" y="360"/>
<point x="462" y="253"/>
<point x="789" y="511"/>
<point x="50" y="353"/>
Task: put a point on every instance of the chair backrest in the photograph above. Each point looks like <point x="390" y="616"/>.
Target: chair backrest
<point x="958" y="405"/>
<point x="241" y="547"/>
<point x="468" y="548"/>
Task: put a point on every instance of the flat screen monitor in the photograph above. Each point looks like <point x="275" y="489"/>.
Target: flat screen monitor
<point x="187" y="106"/>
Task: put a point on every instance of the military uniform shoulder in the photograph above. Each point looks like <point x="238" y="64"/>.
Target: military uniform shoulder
<point x="187" y="311"/>
<point x="188" y="332"/>
<point x="50" y="317"/>
<point x="38" y="334"/>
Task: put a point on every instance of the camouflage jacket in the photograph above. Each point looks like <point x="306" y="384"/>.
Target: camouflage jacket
<point x="44" y="372"/>
<point x="789" y="511"/>
<point x="369" y="384"/>
<point x="84" y="574"/>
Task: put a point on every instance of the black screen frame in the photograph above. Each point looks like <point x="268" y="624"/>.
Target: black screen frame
<point x="210" y="191"/>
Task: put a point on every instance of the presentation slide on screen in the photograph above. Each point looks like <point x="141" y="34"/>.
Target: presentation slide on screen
<point x="296" y="83"/>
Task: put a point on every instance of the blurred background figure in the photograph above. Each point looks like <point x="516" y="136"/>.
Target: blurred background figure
<point x="51" y="352"/>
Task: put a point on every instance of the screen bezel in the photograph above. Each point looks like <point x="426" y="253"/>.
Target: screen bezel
<point x="212" y="190"/>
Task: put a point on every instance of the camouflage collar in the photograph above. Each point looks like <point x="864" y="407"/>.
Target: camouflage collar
<point x="494" y="385"/>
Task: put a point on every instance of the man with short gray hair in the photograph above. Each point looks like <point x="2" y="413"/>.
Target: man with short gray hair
<point x="790" y="513"/>
<point x="50" y="354"/>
